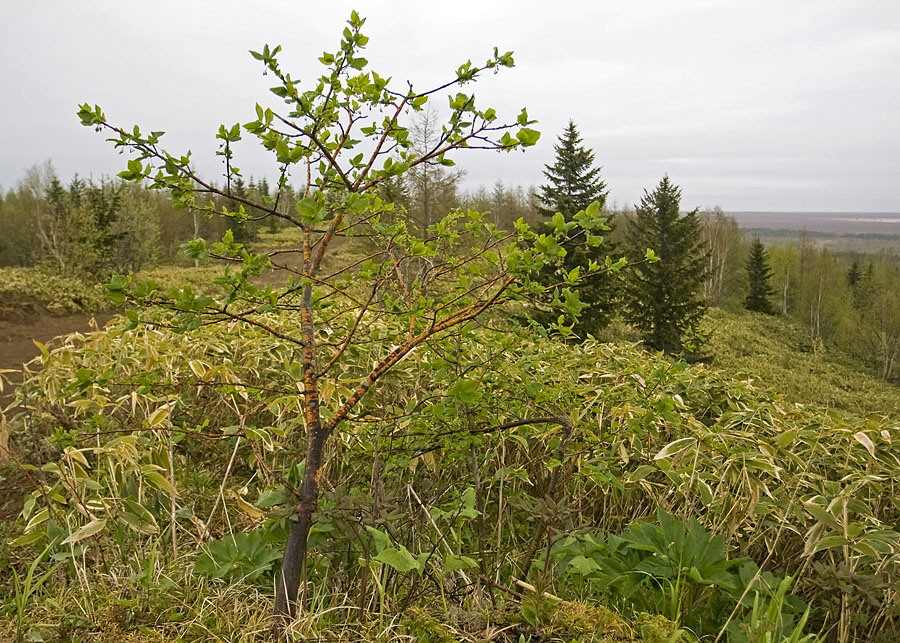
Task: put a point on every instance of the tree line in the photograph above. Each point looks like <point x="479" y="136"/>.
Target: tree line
<point x="95" y="227"/>
<point x="90" y="228"/>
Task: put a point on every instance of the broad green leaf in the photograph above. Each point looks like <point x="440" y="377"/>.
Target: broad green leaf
<point x="400" y="559"/>
<point x="583" y="566"/>
<point x="456" y="563"/>
<point x="381" y="539"/>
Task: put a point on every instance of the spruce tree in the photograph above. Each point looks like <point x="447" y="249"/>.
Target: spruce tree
<point x="758" y="275"/>
<point x="664" y="299"/>
<point x="853" y="274"/>
<point x="573" y="184"/>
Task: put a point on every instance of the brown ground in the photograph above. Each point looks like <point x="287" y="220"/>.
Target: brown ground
<point x="20" y="323"/>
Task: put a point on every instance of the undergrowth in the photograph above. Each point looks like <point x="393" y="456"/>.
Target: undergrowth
<point x="438" y="516"/>
<point x="57" y="294"/>
<point x="777" y="355"/>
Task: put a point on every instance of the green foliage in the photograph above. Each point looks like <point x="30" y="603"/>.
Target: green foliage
<point x="649" y="432"/>
<point x="241" y="555"/>
<point x="776" y="355"/>
<point x="57" y="293"/>
<point x="758" y="275"/>
<point x="664" y="299"/>
<point x="574" y="185"/>
<point x="669" y="568"/>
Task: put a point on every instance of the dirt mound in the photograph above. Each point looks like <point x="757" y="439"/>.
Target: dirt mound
<point x="14" y="311"/>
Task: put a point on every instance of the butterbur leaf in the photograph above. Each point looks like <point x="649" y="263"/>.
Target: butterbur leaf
<point x="382" y="540"/>
<point x="456" y="563"/>
<point x="400" y="559"/>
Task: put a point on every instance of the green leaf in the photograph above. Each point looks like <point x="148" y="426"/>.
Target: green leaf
<point x="675" y="448"/>
<point x="159" y="481"/>
<point x="582" y="566"/>
<point x="382" y="540"/>
<point x="456" y="563"/>
<point x="527" y="136"/>
<point x="400" y="559"/>
<point x="822" y="515"/>
<point x="466" y="391"/>
<point x="139" y="518"/>
<point x="829" y="542"/>
<point x="468" y="502"/>
<point x="311" y="211"/>
<point x="86" y="531"/>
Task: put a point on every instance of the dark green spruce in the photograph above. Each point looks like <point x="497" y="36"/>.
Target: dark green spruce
<point x="759" y="275"/>
<point x="664" y="299"/>
<point x="573" y="183"/>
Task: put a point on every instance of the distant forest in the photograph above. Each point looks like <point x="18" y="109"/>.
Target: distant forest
<point x="93" y="228"/>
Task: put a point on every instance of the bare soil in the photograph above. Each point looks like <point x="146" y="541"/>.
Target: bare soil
<point x="22" y="322"/>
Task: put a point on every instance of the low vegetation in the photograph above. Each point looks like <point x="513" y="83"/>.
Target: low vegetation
<point x="439" y="505"/>
<point x="24" y="287"/>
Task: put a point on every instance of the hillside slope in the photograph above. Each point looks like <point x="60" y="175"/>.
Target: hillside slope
<point x="776" y="354"/>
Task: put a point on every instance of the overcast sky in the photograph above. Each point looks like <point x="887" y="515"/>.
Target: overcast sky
<point x="747" y="104"/>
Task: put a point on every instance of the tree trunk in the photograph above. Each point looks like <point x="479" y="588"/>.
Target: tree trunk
<point x="294" y="561"/>
<point x="292" y="566"/>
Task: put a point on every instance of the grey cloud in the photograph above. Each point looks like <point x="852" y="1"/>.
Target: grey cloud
<point x="750" y="105"/>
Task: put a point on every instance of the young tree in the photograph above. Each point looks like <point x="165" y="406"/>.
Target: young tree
<point x="574" y="183"/>
<point x="854" y="274"/>
<point x="355" y="320"/>
<point x="664" y="299"/>
<point x="758" y="277"/>
<point x="722" y="237"/>
<point x="431" y="185"/>
<point x="136" y="230"/>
